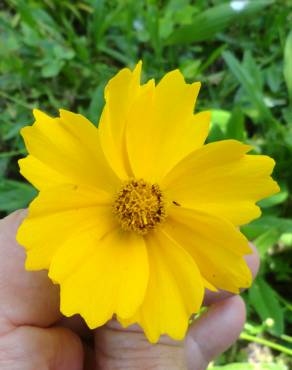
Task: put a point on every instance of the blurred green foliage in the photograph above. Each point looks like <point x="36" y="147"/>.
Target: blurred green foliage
<point x="57" y="54"/>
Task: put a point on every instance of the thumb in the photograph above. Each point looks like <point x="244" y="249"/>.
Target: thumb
<point x="123" y="349"/>
<point x="28" y="347"/>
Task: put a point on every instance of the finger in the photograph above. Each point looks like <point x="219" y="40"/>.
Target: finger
<point x="118" y="348"/>
<point x="253" y="263"/>
<point x="77" y="324"/>
<point x="214" y="332"/>
<point x="27" y="298"/>
<point x="29" y="348"/>
<point x="253" y="260"/>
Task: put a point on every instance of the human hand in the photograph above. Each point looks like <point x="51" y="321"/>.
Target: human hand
<point x="35" y="336"/>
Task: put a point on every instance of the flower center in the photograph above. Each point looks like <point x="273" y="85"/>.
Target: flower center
<point x="139" y="206"/>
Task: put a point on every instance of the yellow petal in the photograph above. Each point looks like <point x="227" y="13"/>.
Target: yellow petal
<point x="57" y="214"/>
<point x="161" y="127"/>
<point x="39" y="174"/>
<point x="70" y="146"/>
<point x="120" y="93"/>
<point x="222" y="180"/>
<point x="215" y="244"/>
<point x="111" y="281"/>
<point x="208" y="285"/>
<point x="175" y="290"/>
<point x="139" y="133"/>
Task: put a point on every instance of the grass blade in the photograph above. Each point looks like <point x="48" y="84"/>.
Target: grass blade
<point x="206" y="24"/>
<point x="287" y="68"/>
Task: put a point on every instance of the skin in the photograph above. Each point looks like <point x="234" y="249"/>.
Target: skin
<point x="34" y="335"/>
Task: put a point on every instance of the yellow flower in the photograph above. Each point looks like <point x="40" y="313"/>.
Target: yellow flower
<point x="136" y="218"/>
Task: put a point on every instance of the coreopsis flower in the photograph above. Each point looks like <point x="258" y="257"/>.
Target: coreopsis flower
<point x="134" y="219"/>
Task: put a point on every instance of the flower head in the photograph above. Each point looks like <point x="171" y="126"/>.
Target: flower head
<point x="136" y="218"/>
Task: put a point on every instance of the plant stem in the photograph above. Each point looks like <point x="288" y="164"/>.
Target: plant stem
<point x="286" y="337"/>
<point x="265" y="342"/>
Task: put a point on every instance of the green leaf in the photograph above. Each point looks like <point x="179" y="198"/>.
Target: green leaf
<point x="220" y="118"/>
<point x="15" y="194"/>
<point x="265" y="301"/>
<point x="267" y="222"/>
<point x="251" y="67"/>
<point x="287" y="67"/>
<point x="266" y="240"/>
<point x="96" y="104"/>
<point x="235" y="125"/>
<point x="286" y="239"/>
<point x="211" y="21"/>
<point x="190" y="68"/>
<point x="53" y="68"/>
<point x="249" y="84"/>
<point x="3" y="165"/>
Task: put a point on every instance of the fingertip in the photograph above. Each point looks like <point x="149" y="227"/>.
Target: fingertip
<point x="253" y="261"/>
<point x="14" y="219"/>
<point x="227" y="315"/>
<point x="8" y="230"/>
<point x="216" y="330"/>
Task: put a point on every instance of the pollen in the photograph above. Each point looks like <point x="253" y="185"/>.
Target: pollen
<point x="139" y="206"/>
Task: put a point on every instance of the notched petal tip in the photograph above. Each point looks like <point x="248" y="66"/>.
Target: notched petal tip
<point x="197" y="85"/>
<point x="248" y="251"/>
<point x="30" y="265"/>
<point x="63" y="111"/>
<point x="20" y="162"/>
<point x="207" y="113"/>
<point x="176" y="76"/>
<point x="245" y="147"/>
<point x="25" y="131"/>
<point x="39" y="115"/>
<point x="271" y="163"/>
<point x="277" y="187"/>
<point x="138" y="68"/>
<point x="36" y="112"/>
<point x="73" y="118"/>
<point x="124" y="79"/>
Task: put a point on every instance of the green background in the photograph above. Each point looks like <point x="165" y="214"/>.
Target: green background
<point x="60" y="54"/>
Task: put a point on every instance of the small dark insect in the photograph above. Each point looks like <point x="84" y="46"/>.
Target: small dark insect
<point x="176" y="203"/>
